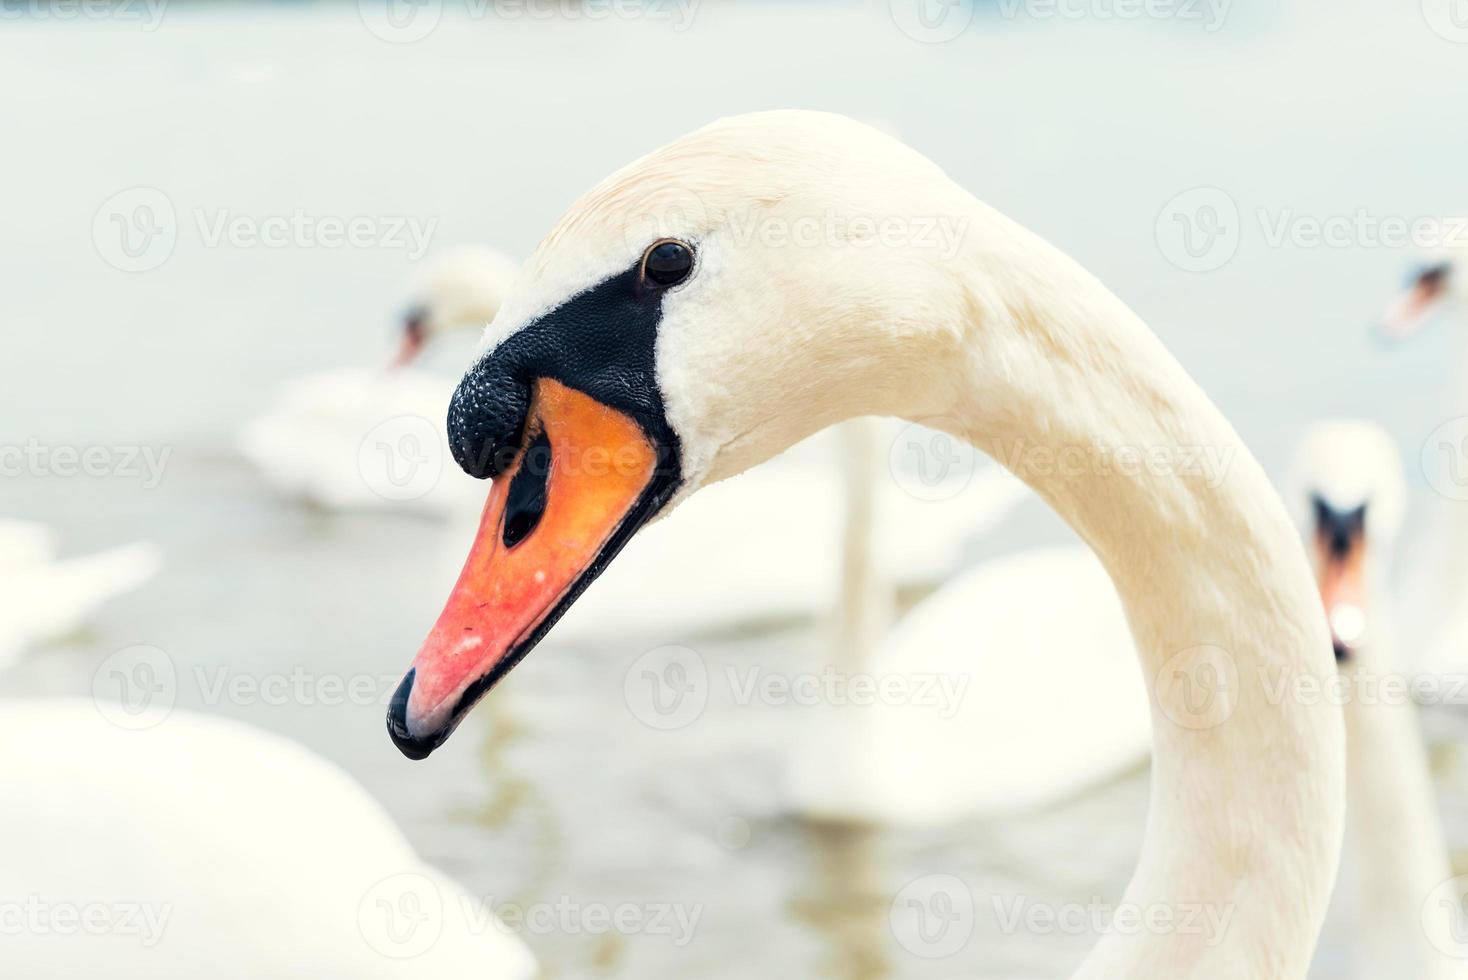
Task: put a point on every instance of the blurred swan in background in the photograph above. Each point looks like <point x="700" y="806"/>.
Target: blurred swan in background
<point x="214" y="849"/>
<point x="460" y="287"/>
<point x="370" y="438"/>
<point x="1349" y="496"/>
<point x="1434" y="591"/>
<point x="43" y="597"/>
<point x="1434" y="286"/>
<point x="1033" y="660"/>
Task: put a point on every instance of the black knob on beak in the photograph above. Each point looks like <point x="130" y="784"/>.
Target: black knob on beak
<point x="487" y="419"/>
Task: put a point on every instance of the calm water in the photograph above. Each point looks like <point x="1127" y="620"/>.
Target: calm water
<point x="552" y="790"/>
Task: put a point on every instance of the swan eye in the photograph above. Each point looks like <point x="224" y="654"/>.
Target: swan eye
<point x="667" y="263"/>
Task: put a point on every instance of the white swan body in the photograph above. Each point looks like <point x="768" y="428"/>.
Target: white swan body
<point x="1042" y="705"/>
<point x="1018" y="349"/>
<point x="1394" y="831"/>
<point x="362" y="438"/>
<point x="42" y="597"/>
<point x="211" y="849"/>
<point x="1042" y="700"/>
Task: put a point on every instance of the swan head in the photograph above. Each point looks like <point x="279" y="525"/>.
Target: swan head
<point x="458" y="287"/>
<point x="1434" y="282"/>
<point x="1349" y="497"/>
<point x="698" y="312"/>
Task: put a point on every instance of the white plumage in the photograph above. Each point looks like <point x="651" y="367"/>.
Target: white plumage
<point x="211" y="849"/>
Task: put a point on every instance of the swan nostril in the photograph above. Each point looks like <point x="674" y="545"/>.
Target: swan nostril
<point x="525" y="500"/>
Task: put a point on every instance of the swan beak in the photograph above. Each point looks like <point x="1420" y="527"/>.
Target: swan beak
<point x="415" y="334"/>
<point x="1416" y="307"/>
<point x="573" y="495"/>
<point x="1341" y="559"/>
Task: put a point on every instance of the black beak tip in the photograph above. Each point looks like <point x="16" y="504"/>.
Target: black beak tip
<point x="412" y="746"/>
<point x="1342" y="652"/>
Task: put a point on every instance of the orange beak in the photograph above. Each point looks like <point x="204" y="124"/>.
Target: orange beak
<point x="574" y="494"/>
<point x="1342" y="579"/>
<point x="415" y="335"/>
<point x="1415" y="308"/>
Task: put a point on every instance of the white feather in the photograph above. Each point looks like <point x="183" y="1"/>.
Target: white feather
<point x="216" y="850"/>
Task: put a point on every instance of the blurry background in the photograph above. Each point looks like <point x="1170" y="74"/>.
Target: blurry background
<point x="459" y="123"/>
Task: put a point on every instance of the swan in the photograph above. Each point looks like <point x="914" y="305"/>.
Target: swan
<point x="204" y="847"/>
<point x="1350" y="496"/>
<point x="1017" y="684"/>
<point x="1434" y="284"/>
<point x="1435" y="578"/>
<point x="42" y="598"/>
<point x="669" y="333"/>
<point x="369" y="438"/>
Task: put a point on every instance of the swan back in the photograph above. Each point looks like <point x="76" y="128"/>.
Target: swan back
<point x="234" y="853"/>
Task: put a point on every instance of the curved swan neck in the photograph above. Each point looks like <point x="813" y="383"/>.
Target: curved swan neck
<point x="866" y="597"/>
<point x="1055" y="377"/>
<point x="1395" y="833"/>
